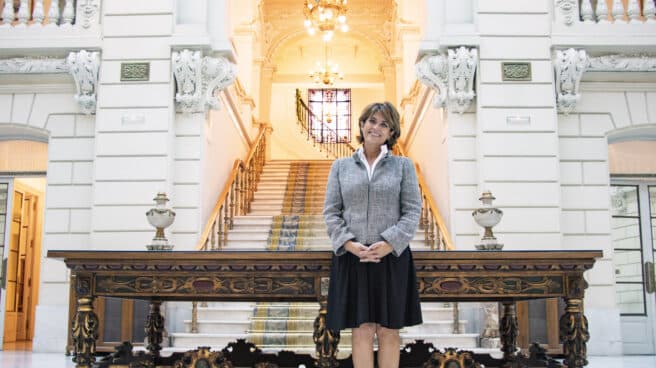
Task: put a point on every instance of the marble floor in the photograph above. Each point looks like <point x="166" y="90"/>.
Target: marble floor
<point x="26" y="359"/>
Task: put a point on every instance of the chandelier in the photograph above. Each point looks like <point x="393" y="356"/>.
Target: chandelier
<point x="325" y="16"/>
<point x="328" y="73"/>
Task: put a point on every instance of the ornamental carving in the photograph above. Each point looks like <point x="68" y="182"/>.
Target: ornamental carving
<point x="451" y="76"/>
<point x="185" y="285"/>
<point x="235" y="267"/>
<point x="569" y="66"/>
<point x="568" y="10"/>
<point x="431" y="70"/>
<point x="89" y="11"/>
<point x="622" y="63"/>
<point x="491" y="285"/>
<point x="198" y="80"/>
<point x="203" y="357"/>
<point x="33" y="65"/>
<point x="84" y="66"/>
<point x="451" y="359"/>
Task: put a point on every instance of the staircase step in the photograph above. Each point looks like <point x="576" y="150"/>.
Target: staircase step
<point x="219" y="326"/>
<point x="236" y="311"/>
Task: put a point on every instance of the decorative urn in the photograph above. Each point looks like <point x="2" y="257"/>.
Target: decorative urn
<point x="160" y="217"/>
<point x="488" y="217"/>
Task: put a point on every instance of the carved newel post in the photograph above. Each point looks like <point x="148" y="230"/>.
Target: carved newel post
<point x="487" y="217"/>
<point x="160" y="217"/>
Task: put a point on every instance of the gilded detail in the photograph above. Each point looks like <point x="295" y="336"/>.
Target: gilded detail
<point x="326" y="340"/>
<point x="203" y="358"/>
<point x="84" y="331"/>
<point x="491" y="285"/>
<point x="204" y="285"/>
<point x="574" y="333"/>
<point x="451" y="359"/>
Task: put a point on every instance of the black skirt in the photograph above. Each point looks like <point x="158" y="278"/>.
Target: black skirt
<point x="383" y="293"/>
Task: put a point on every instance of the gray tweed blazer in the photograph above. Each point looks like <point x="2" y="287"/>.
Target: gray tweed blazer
<point x="386" y="208"/>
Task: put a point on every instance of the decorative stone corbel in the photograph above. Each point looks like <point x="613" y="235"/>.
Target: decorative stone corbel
<point x="431" y="70"/>
<point x="84" y="66"/>
<point x="569" y="66"/>
<point x="462" y="68"/>
<point x="199" y="79"/>
<point x="451" y="76"/>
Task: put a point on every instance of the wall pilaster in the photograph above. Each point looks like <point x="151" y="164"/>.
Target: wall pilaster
<point x="135" y="136"/>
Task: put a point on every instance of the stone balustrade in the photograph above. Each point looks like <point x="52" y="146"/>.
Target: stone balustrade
<point x="53" y="13"/>
<point x="617" y="11"/>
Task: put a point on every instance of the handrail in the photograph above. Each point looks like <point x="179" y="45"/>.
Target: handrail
<point x="237" y="194"/>
<point x="436" y="233"/>
<point x="303" y="116"/>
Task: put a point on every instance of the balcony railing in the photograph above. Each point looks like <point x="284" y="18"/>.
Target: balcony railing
<point x="617" y="11"/>
<point x="31" y="13"/>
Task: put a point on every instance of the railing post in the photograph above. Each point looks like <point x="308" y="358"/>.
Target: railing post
<point x="219" y="232"/>
<point x="212" y="237"/>
<point x="194" y="317"/>
<point x="456" y="318"/>
<point x="232" y="204"/>
<point x="226" y="224"/>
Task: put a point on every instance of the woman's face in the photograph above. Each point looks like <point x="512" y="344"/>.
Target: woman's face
<point x="376" y="130"/>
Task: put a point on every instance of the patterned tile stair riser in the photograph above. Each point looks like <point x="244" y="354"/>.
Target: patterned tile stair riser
<point x="289" y="326"/>
<point x="300" y="218"/>
<point x="303" y="184"/>
<point x="282" y="324"/>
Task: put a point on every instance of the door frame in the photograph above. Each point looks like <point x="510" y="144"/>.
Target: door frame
<point x="648" y="321"/>
<point x="3" y="296"/>
<point x="32" y="221"/>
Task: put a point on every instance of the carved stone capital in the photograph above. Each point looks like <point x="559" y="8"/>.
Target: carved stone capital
<point x="84" y="66"/>
<point x="451" y="76"/>
<point x="569" y="66"/>
<point x="199" y="79"/>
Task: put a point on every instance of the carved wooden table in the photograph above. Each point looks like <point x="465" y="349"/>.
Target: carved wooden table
<point x="504" y="276"/>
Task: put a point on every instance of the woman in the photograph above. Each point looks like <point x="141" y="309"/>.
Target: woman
<point x="372" y="209"/>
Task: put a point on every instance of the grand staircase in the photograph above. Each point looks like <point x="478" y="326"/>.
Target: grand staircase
<point x="285" y="214"/>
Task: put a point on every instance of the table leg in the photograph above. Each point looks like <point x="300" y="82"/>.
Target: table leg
<point x="325" y="340"/>
<point x="574" y="333"/>
<point x="508" y="329"/>
<point x="154" y="328"/>
<point x="85" y="333"/>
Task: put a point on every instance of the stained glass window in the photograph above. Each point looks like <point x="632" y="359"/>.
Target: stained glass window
<point x="331" y="115"/>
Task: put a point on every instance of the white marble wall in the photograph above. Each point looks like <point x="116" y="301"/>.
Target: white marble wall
<point x="52" y="109"/>
<point x="604" y="109"/>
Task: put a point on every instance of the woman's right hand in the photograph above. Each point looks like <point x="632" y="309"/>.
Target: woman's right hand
<point x="360" y="250"/>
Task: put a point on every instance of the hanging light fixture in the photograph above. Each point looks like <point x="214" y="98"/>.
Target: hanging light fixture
<point x="328" y="73"/>
<point x="325" y="16"/>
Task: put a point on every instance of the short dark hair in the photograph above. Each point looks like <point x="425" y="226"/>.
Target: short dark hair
<point x="390" y="114"/>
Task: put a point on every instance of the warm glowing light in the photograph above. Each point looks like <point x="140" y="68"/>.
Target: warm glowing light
<point x="325" y="16"/>
<point x="328" y="73"/>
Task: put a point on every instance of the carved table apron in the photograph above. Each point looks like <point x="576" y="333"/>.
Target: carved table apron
<point x="501" y="276"/>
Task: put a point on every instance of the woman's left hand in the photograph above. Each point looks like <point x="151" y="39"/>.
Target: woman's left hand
<point x="379" y="250"/>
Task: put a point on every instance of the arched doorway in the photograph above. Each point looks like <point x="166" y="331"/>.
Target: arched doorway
<point x="632" y="166"/>
<point x="23" y="165"/>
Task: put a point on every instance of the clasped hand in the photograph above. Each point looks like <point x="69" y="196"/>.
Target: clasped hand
<point x="372" y="253"/>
